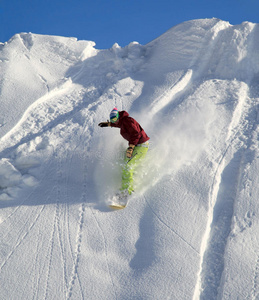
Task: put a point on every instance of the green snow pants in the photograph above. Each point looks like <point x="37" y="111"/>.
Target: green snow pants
<point x="130" y="165"/>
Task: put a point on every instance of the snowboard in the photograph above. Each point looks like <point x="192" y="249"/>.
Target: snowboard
<point x="119" y="201"/>
<point x="117" y="206"/>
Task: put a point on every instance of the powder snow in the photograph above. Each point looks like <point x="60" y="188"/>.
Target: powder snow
<point x="191" y="229"/>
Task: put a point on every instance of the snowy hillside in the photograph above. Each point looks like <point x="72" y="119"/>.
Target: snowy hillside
<point x="191" y="229"/>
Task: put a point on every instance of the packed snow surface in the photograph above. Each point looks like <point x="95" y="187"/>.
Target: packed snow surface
<point x="191" y="229"/>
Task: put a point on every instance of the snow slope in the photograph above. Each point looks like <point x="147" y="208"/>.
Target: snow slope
<point x="191" y="230"/>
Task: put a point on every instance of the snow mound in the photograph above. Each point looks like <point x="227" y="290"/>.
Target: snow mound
<point x="195" y="92"/>
<point x="9" y="175"/>
<point x="11" y="179"/>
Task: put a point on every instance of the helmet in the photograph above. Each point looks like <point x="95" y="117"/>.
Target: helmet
<point x="114" y="115"/>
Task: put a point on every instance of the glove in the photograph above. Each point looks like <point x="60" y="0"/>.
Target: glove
<point x="104" y="124"/>
<point x="130" y="150"/>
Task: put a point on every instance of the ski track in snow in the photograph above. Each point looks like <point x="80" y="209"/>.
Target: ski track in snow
<point x="56" y="230"/>
<point x="222" y="199"/>
<point x="50" y="256"/>
<point x="74" y="274"/>
<point x="254" y="292"/>
<point x="170" y="94"/>
<point x="253" y="128"/>
<point x="79" y="236"/>
<point x="212" y="262"/>
<point x="60" y="178"/>
<point x="160" y="220"/>
<point x="106" y="254"/>
<point x="20" y="240"/>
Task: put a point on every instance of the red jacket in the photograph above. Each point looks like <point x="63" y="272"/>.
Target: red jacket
<point x="130" y="129"/>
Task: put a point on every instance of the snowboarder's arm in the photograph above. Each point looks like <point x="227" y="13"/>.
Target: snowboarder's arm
<point x="104" y="124"/>
<point x="114" y="125"/>
<point x="130" y="150"/>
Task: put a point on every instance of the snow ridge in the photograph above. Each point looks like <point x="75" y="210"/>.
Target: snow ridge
<point x="223" y="198"/>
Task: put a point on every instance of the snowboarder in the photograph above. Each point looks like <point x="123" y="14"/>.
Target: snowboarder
<point x="137" y="147"/>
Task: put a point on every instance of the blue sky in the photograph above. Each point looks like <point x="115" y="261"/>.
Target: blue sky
<point x="115" y="21"/>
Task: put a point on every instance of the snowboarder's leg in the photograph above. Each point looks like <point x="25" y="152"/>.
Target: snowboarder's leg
<point x="127" y="178"/>
<point x="129" y="168"/>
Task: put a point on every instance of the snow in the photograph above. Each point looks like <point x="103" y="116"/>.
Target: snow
<point x="191" y="229"/>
